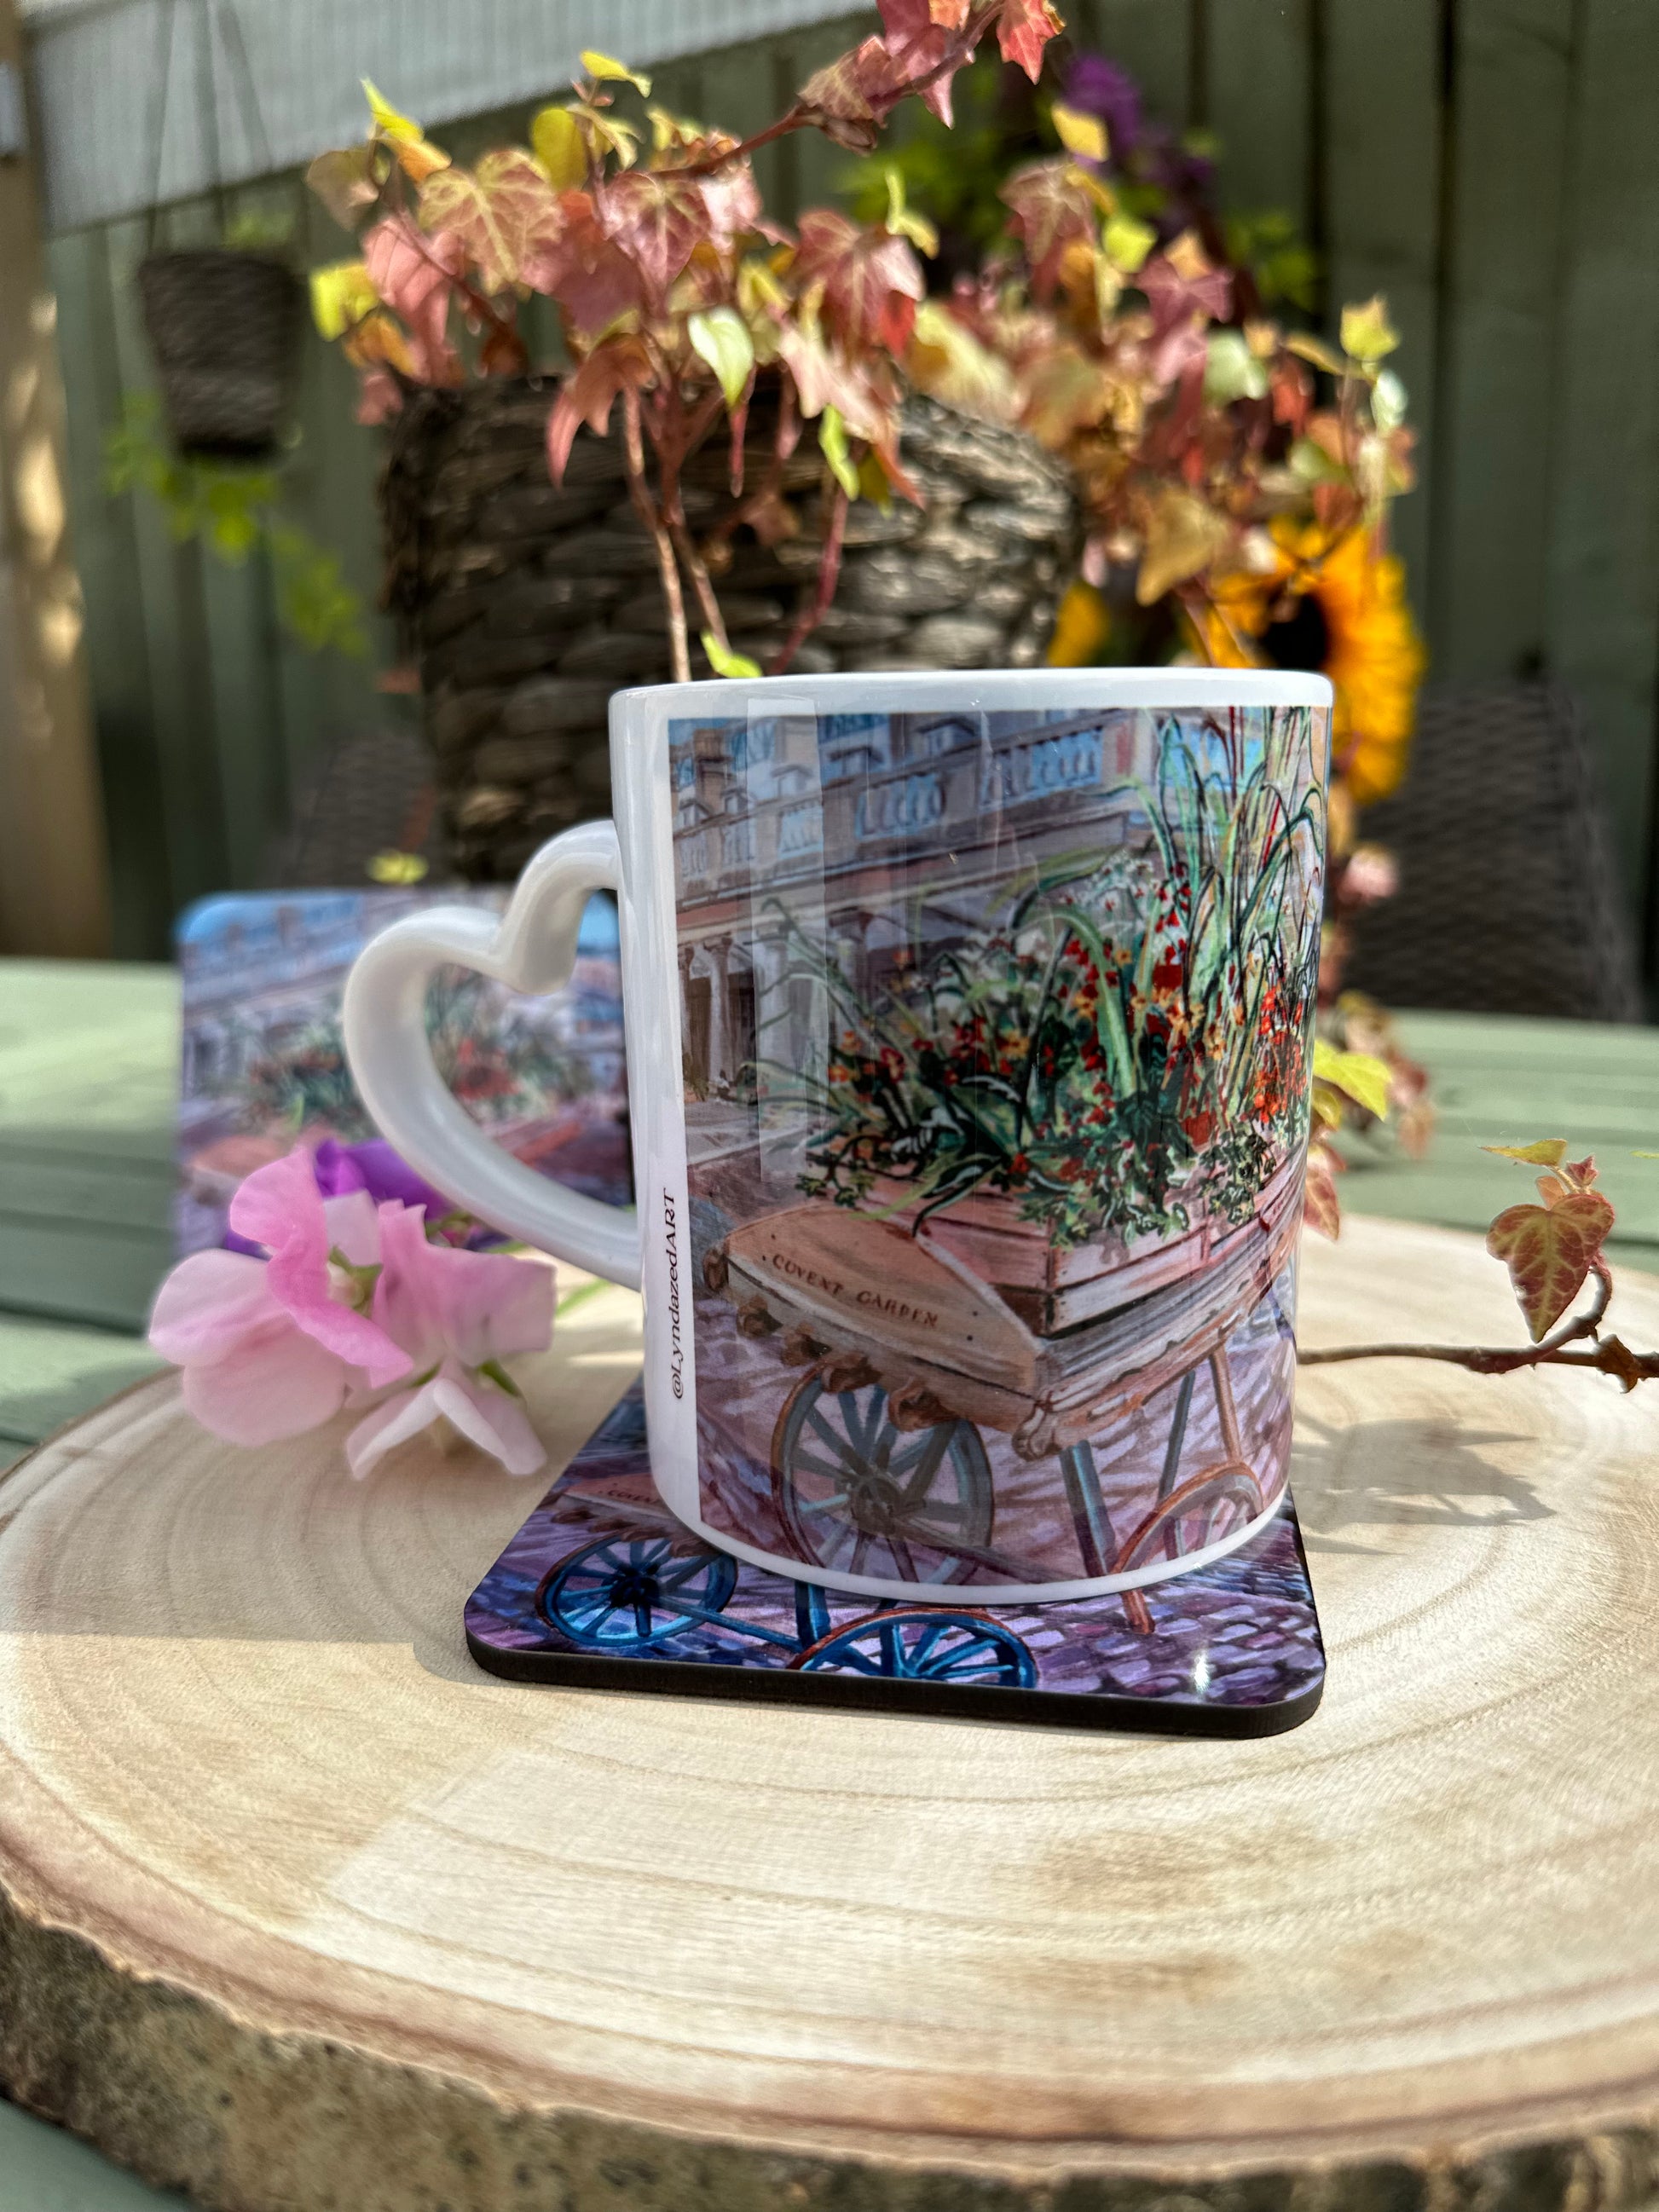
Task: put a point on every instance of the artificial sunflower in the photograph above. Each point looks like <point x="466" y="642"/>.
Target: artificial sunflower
<point x="1339" y="609"/>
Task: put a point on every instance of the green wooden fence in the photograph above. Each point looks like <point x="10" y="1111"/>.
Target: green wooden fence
<point x="1490" y="164"/>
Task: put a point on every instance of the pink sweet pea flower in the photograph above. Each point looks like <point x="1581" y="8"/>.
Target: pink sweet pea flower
<point x="457" y="1314"/>
<point x="268" y="1348"/>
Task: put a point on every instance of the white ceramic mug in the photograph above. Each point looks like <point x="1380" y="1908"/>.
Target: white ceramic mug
<point x="969" y="1025"/>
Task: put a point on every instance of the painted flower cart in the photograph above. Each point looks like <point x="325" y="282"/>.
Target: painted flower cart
<point x="914" y="1343"/>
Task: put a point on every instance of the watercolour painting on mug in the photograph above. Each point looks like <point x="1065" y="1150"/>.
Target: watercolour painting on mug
<point x="996" y="1032"/>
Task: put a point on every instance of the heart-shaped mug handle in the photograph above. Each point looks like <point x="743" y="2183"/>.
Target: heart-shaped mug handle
<point x="532" y="949"/>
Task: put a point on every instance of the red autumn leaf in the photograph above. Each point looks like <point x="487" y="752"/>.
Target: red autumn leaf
<point x="1180" y="294"/>
<point x="1321" y="1209"/>
<point x="417" y="277"/>
<point x="731" y="202"/>
<point x="503" y="211"/>
<point x="658" y="220"/>
<point x="584" y="268"/>
<point x="1548" y="1251"/>
<point x="921" y="34"/>
<point x="1024" y="29"/>
<point x="1051" y="208"/>
<point x="842" y="96"/>
<point x="872" y="280"/>
<point x="588" y="394"/>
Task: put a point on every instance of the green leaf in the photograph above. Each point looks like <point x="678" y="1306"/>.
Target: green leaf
<point x="723" y="661"/>
<point x="1127" y="243"/>
<point x="720" y="338"/>
<point x="1356" y="1075"/>
<point x="1548" y="1152"/>
<point x="1080" y="133"/>
<point x="614" y="72"/>
<point x="1367" y="333"/>
<point x="832" y="437"/>
<point x="341" y="294"/>
<point x="1231" y="371"/>
<point x="1316" y="351"/>
<point x="556" y="140"/>
<point x="416" y="156"/>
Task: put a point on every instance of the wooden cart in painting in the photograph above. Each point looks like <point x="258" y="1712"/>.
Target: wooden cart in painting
<point x="899" y="1350"/>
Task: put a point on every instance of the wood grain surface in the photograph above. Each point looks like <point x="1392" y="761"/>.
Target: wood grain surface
<point x="299" y="1910"/>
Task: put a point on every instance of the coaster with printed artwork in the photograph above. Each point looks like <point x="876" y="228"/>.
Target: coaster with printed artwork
<point x="603" y="1587"/>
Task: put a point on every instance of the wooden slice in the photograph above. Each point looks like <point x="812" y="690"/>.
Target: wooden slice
<point x="302" y="1911"/>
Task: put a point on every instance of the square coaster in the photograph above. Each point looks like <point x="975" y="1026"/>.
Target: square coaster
<point x="603" y="1587"/>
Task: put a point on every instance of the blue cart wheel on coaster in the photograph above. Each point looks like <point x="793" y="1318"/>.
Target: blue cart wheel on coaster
<point x="629" y="1593"/>
<point x="856" y="1491"/>
<point x="924" y="1645"/>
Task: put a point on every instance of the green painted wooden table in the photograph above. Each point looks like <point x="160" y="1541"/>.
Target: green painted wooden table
<point x="88" y="1059"/>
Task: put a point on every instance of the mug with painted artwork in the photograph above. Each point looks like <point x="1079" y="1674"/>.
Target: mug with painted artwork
<point x="969" y="1030"/>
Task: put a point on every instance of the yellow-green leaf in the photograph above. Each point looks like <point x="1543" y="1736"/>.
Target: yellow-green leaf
<point x="1358" y="1075"/>
<point x="609" y="71"/>
<point x="341" y="295"/>
<point x="1080" y="133"/>
<point x="391" y="867"/>
<point x="721" y="338"/>
<point x="874" y="484"/>
<point x="1367" y="333"/>
<point x="1128" y="243"/>
<point x="1231" y="371"/>
<point x="723" y="661"/>
<point x="1184" y="535"/>
<point x="1548" y="1152"/>
<point x="1316" y="351"/>
<point x="417" y="156"/>
<point x="832" y="436"/>
<point x="556" y="140"/>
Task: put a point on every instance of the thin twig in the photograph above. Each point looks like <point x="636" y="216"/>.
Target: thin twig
<point x="639" y="491"/>
<point x="828" y="573"/>
<point x="1610" y="1357"/>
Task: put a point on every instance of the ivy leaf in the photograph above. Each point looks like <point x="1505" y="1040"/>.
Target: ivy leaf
<point x="723" y="661"/>
<point x="341" y="294"/>
<point x="1050" y="207"/>
<point x="1316" y="351"/>
<point x="417" y="277"/>
<point x="921" y="34"/>
<point x="731" y="202"/>
<point x="557" y="141"/>
<point x="871" y="281"/>
<point x="503" y="212"/>
<point x="721" y="338"/>
<point x="415" y="155"/>
<point x="1024" y="29"/>
<point x="609" y="71"/>
<point x="1184" y="536"/>
<point x="346" y="183"/>
<point x="1127" y="243"/>
<point x="840" y="96"/>
<point x="832" y="437"/>
<point x="948" y="362"/>
<point x="1367" y="333"/>
<point x="1065" y="390"/>
<point x="1321" y="1209"/>
<point x="590" y="392"/>
<point x="1358" y="1075"/>
<point x="585" y="270"/>
<point x="1084" y="136"/>
<point x="658" y="223"/>
<point x="1231" y="371"/>
<point x="1548" y="1252"/>
<point x="1548" y="1152"/>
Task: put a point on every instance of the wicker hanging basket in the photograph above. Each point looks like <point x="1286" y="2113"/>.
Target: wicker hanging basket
<point x="526" y="605"/>
<point x="224" y="326"/>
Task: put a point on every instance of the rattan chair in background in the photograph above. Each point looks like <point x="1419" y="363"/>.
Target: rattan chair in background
<point x="1509" y="900"/>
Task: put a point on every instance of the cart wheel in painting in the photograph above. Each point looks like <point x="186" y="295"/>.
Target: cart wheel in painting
<point x="968" y="1650"/>
<point x="629" y="1593"/>
<point x="856" y="1491"/>
<point x="1203" y="1510"/>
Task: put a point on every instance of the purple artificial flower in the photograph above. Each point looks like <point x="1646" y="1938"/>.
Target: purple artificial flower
<point x="374" y="1167"/>
<point x="1100" y="87"/>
